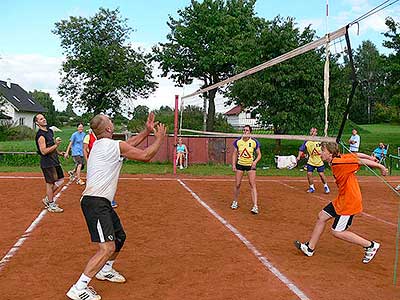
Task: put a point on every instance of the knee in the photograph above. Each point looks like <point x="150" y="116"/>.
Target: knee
<point x="337" y="234"/>
<point x="108" y="249"/>
<point x="59" y="182"/>
<point x="119" y="241"/>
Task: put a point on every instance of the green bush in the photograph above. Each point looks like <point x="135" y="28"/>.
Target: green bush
<point x="20" y="133"/>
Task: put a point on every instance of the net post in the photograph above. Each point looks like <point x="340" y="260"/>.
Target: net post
<point x="175" y="132"/>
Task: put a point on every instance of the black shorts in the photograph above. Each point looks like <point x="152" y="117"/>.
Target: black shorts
<point x="53" y="174"/>
<point x="244" y="168"/>
<point x="78" y="160"/>
<point x="341" y="222"/>
<point x="102" y="220"/>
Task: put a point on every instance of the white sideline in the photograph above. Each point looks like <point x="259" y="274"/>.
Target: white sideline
<point x="27" y="232"/>
<point x="299" y="293"/>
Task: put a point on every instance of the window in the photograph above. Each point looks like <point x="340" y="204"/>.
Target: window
<point x="21" y="121"/>
<point x="16" y="98"/>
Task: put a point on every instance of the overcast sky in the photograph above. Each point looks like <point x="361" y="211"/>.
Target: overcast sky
<point x="31" y="55"/>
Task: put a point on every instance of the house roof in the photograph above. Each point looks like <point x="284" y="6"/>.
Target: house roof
<point x="4" y="117"/>
<point x="20" y="98"/>
<point x="234" y="111"/>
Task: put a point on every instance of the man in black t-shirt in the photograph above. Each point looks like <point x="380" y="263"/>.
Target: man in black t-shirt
<point x="47" y="148"/>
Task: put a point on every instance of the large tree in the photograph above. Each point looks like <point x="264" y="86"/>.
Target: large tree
<point x="288" y="95"/>
<point x="101" y="69"/>
<point x="204" y="43"/>
<point x="370" y="74"/>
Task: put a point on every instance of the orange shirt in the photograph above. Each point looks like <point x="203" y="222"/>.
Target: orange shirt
<point x="349" y="200"/>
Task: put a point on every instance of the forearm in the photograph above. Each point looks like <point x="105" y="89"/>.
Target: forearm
<point x="48" y="150"/>
<point x="372" y="164"/>
<point x="365" y="156"/>
<point x="137" y="139"/>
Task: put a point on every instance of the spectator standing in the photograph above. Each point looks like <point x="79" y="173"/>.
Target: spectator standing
<point x="76" y="144"/>
<point x="354" y="141"/>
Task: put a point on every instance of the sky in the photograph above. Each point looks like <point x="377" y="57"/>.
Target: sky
<point x="31" y="55"/>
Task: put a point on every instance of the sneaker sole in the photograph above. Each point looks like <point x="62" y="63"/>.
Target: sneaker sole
<point x="107" y="279"/>
<point x="297" y="244"/>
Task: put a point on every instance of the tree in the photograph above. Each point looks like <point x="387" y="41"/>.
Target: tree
<point x="370" y="74"/>
<point x="47" y="102"/>
<point x="393" y="64"/>
<point x="139" y="117"/>
<point x="100" y="69"/>
<point x="204" y="44"/>
<point x="288" y="95"/>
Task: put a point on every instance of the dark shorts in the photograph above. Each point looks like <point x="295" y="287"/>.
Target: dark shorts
<point x="53" y="174"/>
<point x="311" y="168"/>
<point x="78" y="160"/>
<point x="244" y="168"/>
<point x="341" y="223"/>
<point x="102" y="220"/>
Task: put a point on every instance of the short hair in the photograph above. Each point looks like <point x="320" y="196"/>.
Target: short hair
<point x="332" y="148"/>
<point x="97" y="124"/>
<point x="249" y="127"/>
<point x="80" y="123"/>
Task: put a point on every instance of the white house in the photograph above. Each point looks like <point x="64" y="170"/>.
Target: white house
<point x="237" y="117"/>
<point x="19" y="108"/>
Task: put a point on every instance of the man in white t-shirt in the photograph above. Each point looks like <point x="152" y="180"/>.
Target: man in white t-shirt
<point x="354" y="141"/>
<point x="103" y="168"/>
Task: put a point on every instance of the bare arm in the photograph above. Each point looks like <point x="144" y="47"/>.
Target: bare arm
<point x="373" y="164"/>
<point x="133" y="153"/>
<point x="366" y="156"/>
<point x="66" y="155"/>
<point x="234" y="159"/>
<point x="258" y="151"/>
<point x="46" y="150"/>
<point x="137" y="139"/>
<point x="85" y="151"/>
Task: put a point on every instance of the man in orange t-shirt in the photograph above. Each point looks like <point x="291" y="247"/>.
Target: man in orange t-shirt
<point x="347" y="203"/>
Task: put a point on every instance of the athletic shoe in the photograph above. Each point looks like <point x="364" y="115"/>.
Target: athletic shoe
<point x="397" y="188"/>
<point x="71" y="176"/>
<point x="87" y="293"/>
<point x="304" y="248"/>
<point x="370" y="252"/>
<point x="53" y="207"/>
<point x="114" y="204"/>
<point x="234" y="205"/>
<point x="327" y="190"/>
<point x="80" y="182"/>
<point x="181" y="167"/>
<point x="46" y="202"/>
<point x="311" y="190"/>
<point x="254" y="210"/>
<point x="111" y="275"/>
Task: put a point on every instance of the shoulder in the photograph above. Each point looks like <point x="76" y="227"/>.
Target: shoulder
<point x="236" y="142"/>
<point x="257" y="143"/>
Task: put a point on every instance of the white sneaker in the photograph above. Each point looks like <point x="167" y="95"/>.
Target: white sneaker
<point x="87" y="293"/>
<point x="234" y="205"/>
<point x="71" y="176"/>
<point x="112" y="276"/>
<point x="327" y="190"/>
<point x="46" y="202"/>
<point x="370" y="252"/>
<point x="53" y="207"/>
<point x="181" y="167"/>
<point x="397" y="188"/>
<point x="254" y="210"/>
<point x="303" y="247"/>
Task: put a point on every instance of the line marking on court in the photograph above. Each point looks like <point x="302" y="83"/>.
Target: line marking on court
<point x="28" y="232"/>
<point x="362" y="213"/>
<point x="299" y="293"/>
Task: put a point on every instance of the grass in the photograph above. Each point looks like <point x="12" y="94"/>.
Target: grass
<point x="371" y="135"/>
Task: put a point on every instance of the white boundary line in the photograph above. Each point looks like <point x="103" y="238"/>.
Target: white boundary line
<point x="28" y="232"/>
<point x="299" y="293"/>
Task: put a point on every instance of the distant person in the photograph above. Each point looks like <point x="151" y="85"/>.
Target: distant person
<point x="47" y="148"/>
<point x="314" y="162"/>
<point x="76" y="144"/>
<point x="347" y="203"/>
<point x="88" y="142"/>
<point x="354" y="141"/>
<point x="244" y="159"/>
<point x="380" y="152"/>
<point x="105" y="228"/>
<point x="181" y="152"/>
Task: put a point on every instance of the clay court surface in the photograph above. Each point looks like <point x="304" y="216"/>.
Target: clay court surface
<point x="191" y="245"/>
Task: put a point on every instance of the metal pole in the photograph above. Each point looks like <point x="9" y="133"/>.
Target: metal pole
<point x="175" y="132"/>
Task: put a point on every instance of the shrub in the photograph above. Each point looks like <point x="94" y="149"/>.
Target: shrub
<point x="19" y="133"/>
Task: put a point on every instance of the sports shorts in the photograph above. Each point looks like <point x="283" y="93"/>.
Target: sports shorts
<point x="102" y="220"/>
<point x="311" y="168"/>
<point x="341" y="222"/>
<point x="244" y="168"/>
<point x="52" y="174"/>
<point x="78" y="160"/>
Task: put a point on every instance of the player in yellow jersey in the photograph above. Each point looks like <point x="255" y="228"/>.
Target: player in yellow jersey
<point x="314" y="161"/>
<point x="244" y="159"/>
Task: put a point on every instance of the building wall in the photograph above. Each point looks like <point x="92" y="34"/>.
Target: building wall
<point x="241" y="120"/>
<point x="19" y="117"/>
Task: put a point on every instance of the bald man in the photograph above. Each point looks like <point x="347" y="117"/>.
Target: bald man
<point x="103" y="168"/>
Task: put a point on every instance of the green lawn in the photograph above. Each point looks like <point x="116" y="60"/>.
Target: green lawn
<point x="371" y="135"/>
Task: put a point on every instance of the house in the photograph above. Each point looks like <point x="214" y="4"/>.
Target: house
<point x="19" y="108"/>
<point x="238" y="118"/>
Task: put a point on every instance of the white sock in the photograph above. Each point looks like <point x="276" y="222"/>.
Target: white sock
<point x="311" y="186"/>
<point x="325" y="185"/>
<point x="108" y="266"/>
<point x="82" y="282"/>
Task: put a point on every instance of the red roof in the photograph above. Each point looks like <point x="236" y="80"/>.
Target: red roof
<point x="234" y="111"/>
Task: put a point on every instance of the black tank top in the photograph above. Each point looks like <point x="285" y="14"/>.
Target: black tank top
<point x="50" y="159"/>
